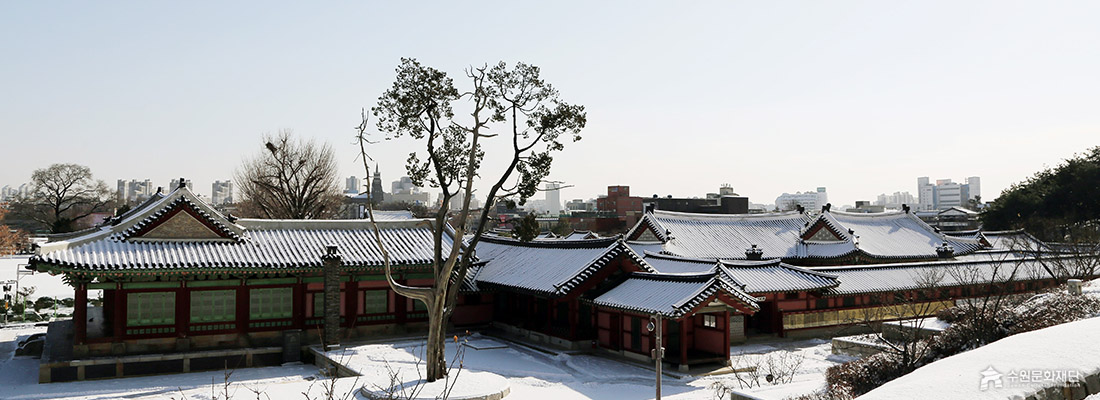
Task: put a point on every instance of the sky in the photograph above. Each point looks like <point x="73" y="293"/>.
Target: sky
<point x="681" y="97"/>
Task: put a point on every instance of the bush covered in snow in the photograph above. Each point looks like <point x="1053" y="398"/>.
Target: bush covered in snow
<point x="971" y="328"/>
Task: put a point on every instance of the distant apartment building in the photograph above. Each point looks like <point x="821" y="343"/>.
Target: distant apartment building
<point x="351" y="185"/>
<point x="894" y="201"/>
<point x="221" y="192"/>
<point x="8" y="193"/>
<point x="134" y="190"/>
<point x="945" y="194"/>
<point x="812" y="201"/>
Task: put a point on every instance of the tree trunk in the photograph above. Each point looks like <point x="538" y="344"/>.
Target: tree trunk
<point x="434" y="355"/>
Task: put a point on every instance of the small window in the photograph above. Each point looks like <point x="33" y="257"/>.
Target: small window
<point x="849" y="301"/>
<point x="822" y="303"/>
<point x="710" y="321"/>
<point x="791" y="295"/>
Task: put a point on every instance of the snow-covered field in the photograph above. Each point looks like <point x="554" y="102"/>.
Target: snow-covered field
<point x="534" y="374"/>
<point x="531" y="374"/>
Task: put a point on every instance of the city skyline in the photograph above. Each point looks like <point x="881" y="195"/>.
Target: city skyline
<point x="874" y="90"/>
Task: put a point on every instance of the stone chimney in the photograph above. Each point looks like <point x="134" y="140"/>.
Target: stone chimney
<point x="331" y="261"/>
<point x="754" y="253"/>
<point x="945" y="251"/>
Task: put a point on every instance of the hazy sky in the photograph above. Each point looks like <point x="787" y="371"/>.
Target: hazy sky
<point x="770" y="97"/>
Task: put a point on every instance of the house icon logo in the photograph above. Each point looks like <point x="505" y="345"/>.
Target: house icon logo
<point x="991" y="379"/>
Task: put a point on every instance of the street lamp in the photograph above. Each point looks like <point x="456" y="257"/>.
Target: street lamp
<point x="658" y="352"/>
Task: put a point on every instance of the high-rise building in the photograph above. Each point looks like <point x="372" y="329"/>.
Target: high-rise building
<point x="351" y="185"/>
<point x="945" y="194"/>
<point x="221" y="192"/>
<point x="133" y="190"/>
<point x="811" y="201"/>
<point x="377" y="196"/>
<point x="553" y="198"/>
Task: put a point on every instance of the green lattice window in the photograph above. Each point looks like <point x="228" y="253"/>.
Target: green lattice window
<point x="151" y="308"/>
<point x="213" y="305"/>
<point x="270" y="303"/>
<point x="375" y="301"/>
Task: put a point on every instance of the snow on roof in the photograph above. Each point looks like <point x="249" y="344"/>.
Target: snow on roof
<point x="754" y="276"/>
<point x="908" y="276"/>
<point x="995" y="371"/>
<point x="673" y="295"/>
<point x="781" y="235"/>
<point x="728" y="235"/>
<point x="244" y="244"/>
<point x="899" y="235"/>
<point x="546" y="267"/>
<point x="390" y="215"/>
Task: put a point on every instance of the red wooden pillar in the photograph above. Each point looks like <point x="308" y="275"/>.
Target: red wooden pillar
<point x="351" y="297"/>
<point x="183" y="310"/>
<point x="242" y="308"/>
<point x="298" y="309"/>
<point x="684" y="340"/>
<point x="573" y="319"/>
<point x="80" y="314"/>
<point x="726" y="336"/>
<point x="119" y="317"/>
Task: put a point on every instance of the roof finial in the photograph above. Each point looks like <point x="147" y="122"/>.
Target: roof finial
<point x="754" y="253"/>
<point x="183" y="183"/>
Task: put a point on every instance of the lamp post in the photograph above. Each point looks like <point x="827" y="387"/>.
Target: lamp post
<point x="658" y="352"/>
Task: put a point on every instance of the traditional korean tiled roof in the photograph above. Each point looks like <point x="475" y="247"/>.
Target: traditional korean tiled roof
<point x="790" y="235"/>
<point x="252" y="245"/>
<point x="546" y="267"/>
<point x="768" y="276"/>
<point x="673" y="295"/>
<point x="908" y="276"/>
<point x="1000" y="245"/>
<point x="727" y="236"/>
<point x="899" y="235"/>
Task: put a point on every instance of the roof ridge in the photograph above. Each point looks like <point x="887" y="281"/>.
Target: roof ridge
<point x="778" y="215"/>
<point x="554" y="244"/>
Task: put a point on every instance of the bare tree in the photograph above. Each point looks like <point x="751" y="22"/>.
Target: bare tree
<point x="62" y="195"/>
<point x="512" y="102"/>
<point x="909" y="308"/>
<point x="11" y="240"/>
<point x="290" y="179"/>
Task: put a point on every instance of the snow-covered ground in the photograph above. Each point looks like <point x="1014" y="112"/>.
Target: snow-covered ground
<point x="19" y="380"/>
<point x="534" y="374"/>
<point x="1017" y="365"/>
<point x="531" y="374"/>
